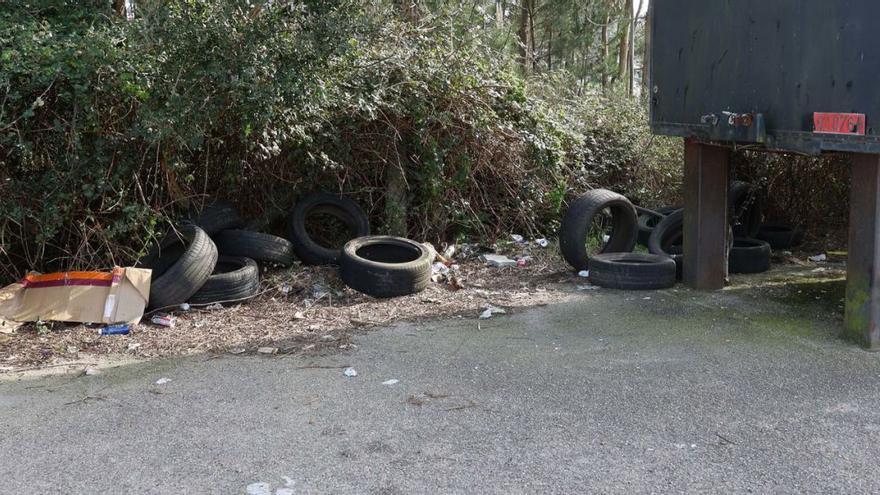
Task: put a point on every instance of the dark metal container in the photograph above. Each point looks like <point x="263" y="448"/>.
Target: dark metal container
<point x="798" y="75"/>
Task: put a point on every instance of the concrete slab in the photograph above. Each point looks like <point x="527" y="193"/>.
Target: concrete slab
<point x="618" y="392"/>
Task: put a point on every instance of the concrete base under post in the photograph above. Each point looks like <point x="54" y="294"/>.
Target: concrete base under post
<point x="862" y="320"/>
<point x="706" y="171"/>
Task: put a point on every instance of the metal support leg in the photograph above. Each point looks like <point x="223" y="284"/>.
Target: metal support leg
<point x="862" y="320"/>
<point x="706" y="170"/>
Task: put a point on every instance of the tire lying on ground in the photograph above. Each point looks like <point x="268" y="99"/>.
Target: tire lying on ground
<point x="749" y="256"/>
<point x="234" y="278"/>
<point x="181" y="264"/>
<point x="632" y="271"/>
<point x="215" y="217"/>
<point x="384" y="266"/>
<point x="265" y="248"/>
<point x="340" y="207"/>
<point x="780" y="236"/>
<point x="647" y="222"/>
<point x="745" y="209"/>
<point x="579" y="217"/>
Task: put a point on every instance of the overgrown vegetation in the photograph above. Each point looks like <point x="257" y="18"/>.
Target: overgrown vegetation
<point x="108" y="128"/>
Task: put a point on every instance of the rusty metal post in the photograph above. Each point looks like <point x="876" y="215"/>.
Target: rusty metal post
<point x="862" y="320"/>
<point x="706" y="171"/>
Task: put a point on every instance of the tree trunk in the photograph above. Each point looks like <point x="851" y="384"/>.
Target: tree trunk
<point x="605" y="52"/>
<point x="525" y="43"/>
<point x="646" y="59"/>
<point x="623" y="53"/>
<point x="409" y="9"/>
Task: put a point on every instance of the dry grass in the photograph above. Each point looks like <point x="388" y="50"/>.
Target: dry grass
<point x="316" y="314"/>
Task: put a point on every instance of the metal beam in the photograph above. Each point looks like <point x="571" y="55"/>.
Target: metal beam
<point x="706" y="172"/>
<point x="862" y="319"/>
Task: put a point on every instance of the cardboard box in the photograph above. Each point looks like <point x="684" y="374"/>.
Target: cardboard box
<point x="119" y="296"/>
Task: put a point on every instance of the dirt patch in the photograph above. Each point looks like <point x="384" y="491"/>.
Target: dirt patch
<point x="300" y="310"/>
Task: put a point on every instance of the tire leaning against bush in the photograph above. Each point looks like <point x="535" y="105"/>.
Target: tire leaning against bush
<point x="632" y="271"/>
<point x="181" y="264"/>
<point x="749" y="256"/>
<point x="341" y="207"/>
<point x="745" y="209"/>
<point x="577" y="221"/>
<point x="216" y="217"/>
<point x="257" y="246"/>
<point x="385" y="266"/>
<point x="234" y="278"/>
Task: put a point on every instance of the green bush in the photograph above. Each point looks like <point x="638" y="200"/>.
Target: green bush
<point x="109" y="129"/>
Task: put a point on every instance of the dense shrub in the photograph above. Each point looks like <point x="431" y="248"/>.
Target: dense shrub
<point x="109" y="128"/>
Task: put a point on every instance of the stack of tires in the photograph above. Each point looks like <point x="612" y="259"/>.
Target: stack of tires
<point x="614" y="264"/>
<point x="210" y="259"/>
<point x="379" y="266"/>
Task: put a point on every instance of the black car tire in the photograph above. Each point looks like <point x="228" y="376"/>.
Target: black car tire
<point x="577" y="221"/>
<point x="749" y="256"/>
<point x="745" y="209"/>
<point x="217" y="216"/>
<point x="780" y="236"/>
<point x="385" y="266"/>
<point x="648" y="221"/>
<point x="265" y="248"/>
<point x="181" y="264"/>
<point x="341" y="207"/>
<point x="234" y="278"/>
<point x="632" y="271"/>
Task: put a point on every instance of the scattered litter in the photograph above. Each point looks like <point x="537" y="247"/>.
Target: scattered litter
<point x="134" y="346"/>
<point x="490" y="311"/>
<point x="606" y="238"/>
<point x="114" y="330"/>
<point x="299" y="316"/>
<point x="237" y="350"/>
<point x="542" y="242"/>
<point x="787" y="253"/>
<point x="497" y="260"/>
<point x="517" y="238"/>
<point x="587" y="287"/>
<point x="268" y="350"/>
<point x="439" y="272"/>
<point x="584" y="273"/>
<point x="214" y="307"/>
<point x="260" y="488"/>
<point x="162" y="381"/>
<point x="449" y="252"/>
<point x="350" y="372"/>
<point x="309" y="347"/>
<point x="285" y="288"/>
<point x="393" y="381"/>
<point x="320" y="291"/>
<point x="646" y="298"/>
<point x="92" y="371"/>
<point x="818" y="258"/>
<point x="72" y="349"/>
<point x="525" y="260"/>
<point x="185" y="307"/>
<point x="328" y="337"/>
<point x="164" y="320"/>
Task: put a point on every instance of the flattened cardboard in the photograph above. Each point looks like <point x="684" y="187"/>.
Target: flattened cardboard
<point x="85" y="297"/>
